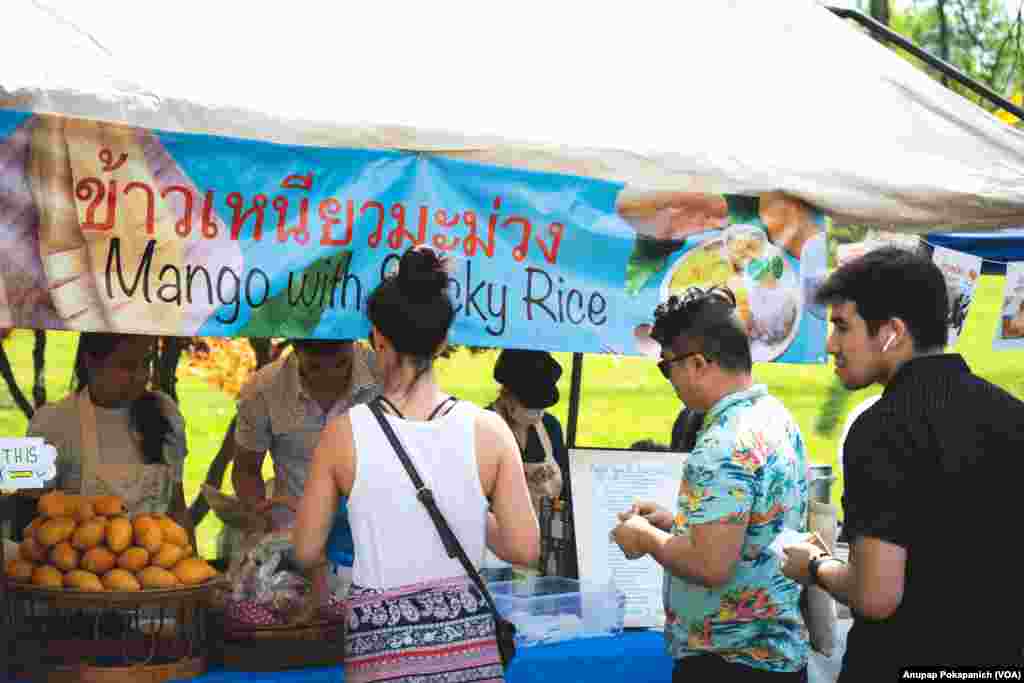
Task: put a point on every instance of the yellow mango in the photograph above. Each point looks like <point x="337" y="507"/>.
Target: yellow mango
<point x="89" y="534"/>
<point x="55" y="530"/>
<point x="133" y="559"/>
<point x="121" y="580"/>
<point x="147" y="534"/>
<point x="168" y="556"/>
<point x="83" y="581"/>
<point x="47" y="576"/>
<point x="157" y="577"/>
<point x="84" y="512"/>
<point x="98" y="560"/>
<point x="64" y="557"/>
<point x="172" y="531"/>
<point x="119" y="534"/>
<point x="54" y="504"/>
<point x="193" y="570"/>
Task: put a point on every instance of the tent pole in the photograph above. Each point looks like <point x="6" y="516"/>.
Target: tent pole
<point x="574" y="399"/>
<point x="887" y="35"/>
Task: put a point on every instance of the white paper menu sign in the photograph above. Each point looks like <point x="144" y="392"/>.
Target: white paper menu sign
<point x="605" y="483"/>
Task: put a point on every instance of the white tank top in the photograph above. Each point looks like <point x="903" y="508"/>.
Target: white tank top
<point x="396" y="543"/>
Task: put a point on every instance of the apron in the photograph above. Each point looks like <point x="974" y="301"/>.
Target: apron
<point x="143" y="488"/>
<point x="544" y="479"/>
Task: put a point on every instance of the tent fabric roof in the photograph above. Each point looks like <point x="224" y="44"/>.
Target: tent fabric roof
<point x="738" y="96"/>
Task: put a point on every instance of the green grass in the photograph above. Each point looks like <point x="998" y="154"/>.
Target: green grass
<point x="623" y="400"/>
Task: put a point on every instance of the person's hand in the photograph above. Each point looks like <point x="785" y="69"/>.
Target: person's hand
<point x="798" y="557"/>
<point x="633" y="535"/>
<point x="655" y="514"/>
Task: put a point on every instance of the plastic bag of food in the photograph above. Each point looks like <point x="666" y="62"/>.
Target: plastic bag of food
<point x="266" y="591"/>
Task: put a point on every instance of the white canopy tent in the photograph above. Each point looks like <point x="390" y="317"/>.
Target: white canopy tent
<point x="736" y="96"/>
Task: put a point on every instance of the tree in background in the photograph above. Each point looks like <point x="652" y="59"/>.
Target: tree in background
<point x="981" y="38"/>
<point x="880" y="11"/>
<point x="225" y="364"/>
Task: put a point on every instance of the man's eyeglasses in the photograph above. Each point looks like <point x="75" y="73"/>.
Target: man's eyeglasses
<point x="665" y="364"/>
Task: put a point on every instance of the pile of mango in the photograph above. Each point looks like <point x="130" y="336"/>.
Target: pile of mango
<point x="89" y="543"/>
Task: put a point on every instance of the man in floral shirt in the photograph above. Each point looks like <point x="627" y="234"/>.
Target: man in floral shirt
<point x="730" y="613"/>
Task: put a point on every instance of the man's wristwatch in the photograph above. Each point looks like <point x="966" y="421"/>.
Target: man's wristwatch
<point x="815" y="563"/>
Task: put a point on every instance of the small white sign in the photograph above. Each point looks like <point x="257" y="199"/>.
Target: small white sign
<point x="26" y="463"/>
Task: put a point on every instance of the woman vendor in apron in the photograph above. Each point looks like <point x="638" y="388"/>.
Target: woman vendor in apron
<point x="115" y="436"/>
<point x="528" y="382"/>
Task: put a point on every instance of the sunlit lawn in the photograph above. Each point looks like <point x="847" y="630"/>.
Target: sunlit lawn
<point x="623" y="400"/>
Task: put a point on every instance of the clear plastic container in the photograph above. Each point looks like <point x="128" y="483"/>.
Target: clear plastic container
<point x="552" y="609"/>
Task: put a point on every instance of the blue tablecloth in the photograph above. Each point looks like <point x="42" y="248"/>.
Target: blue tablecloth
<point x="632" y="657"/>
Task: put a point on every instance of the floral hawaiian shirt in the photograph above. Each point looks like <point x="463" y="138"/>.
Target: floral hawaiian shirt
<point x="749" y="468"/>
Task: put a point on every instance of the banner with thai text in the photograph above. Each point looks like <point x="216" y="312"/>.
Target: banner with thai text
<point x="110" y="228"/>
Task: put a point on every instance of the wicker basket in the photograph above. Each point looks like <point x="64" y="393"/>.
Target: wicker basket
<point x="148" y="673"/>
<point x="124" y="637"/>
<point x="275" y="648"/>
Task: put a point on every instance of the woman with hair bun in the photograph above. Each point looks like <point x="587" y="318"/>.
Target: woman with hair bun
<point x="404" y="585"/>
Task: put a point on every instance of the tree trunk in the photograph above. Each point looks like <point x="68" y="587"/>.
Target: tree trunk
<point x="39" y="366"/>
<point x="12" y="385"/>
<point x="880" y="11"/>
<point x="167" y="368"/>
<point x="264" y="352"/>
<point x="940" y="7"/>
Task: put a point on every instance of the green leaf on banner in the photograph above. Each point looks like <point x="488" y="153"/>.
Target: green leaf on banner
<point x="777" y="267"/>
<point x="743" y="209"/>
<point x="278" y="317"/>
<point x="649" y="256"/>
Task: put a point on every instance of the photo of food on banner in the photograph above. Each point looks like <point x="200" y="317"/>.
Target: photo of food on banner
<point x="57" y="244"/>
<point x="1011" y="324"/>
<point x="961" y="272"/>
<point x="770" y="250"/>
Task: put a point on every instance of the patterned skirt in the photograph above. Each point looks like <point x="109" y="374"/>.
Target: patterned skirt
<point x="436" y="632"/>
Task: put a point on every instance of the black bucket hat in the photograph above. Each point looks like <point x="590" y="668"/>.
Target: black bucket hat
<point x="530" y="375"/>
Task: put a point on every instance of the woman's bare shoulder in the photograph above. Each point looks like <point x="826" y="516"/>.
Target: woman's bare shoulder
<point x="492" y="430"/>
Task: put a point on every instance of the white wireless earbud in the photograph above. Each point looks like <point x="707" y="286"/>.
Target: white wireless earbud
<point x="890" y="340"/>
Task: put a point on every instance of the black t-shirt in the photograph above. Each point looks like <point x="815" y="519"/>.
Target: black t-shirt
<point x="935" y="467"/>
<point x="685" y="430"/>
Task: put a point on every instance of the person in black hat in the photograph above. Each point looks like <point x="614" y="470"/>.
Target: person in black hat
<point x="528" y="382"/>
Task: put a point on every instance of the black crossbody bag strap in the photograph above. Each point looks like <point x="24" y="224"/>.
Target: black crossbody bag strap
<point x="426" y="496"/>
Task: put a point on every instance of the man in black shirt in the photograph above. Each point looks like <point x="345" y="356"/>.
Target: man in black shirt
<point x="932" y="482"/>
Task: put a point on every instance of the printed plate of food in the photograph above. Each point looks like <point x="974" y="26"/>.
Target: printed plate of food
<point x="767" y="288"/>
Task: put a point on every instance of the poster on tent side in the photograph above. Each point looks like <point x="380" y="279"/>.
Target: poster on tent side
<point x="105" y="227"/>
<point x="961" y="272"/>
<point x="1010" y="333"/>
